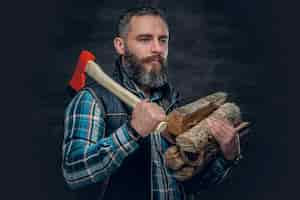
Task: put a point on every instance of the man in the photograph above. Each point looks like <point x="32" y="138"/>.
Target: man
<point x="110" y="149"/>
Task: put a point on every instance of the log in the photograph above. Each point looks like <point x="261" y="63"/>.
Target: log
<point x="187" y="116"/>
<point x="173" y="158"/>
<point x="185" y="173"/>
<point x="199" y="138"/>
<point x="194" y="145"/>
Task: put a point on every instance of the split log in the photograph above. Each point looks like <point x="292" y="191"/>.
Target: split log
<point x="185" y="173"/>
<point x="173" y="158"/>
<point x="196" y="147"/>
<point x="187" y="116"/>
<point x="199" y="138"/>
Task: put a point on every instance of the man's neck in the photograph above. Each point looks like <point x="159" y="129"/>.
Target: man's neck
<point x="146" y="91"/>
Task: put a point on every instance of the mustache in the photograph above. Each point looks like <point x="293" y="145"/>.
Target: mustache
<point x="152" y="58"/>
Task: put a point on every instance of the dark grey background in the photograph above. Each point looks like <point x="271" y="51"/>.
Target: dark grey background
<point x="232" y="46"/>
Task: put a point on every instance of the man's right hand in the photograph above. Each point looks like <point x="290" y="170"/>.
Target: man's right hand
<point x="146" y="116"/>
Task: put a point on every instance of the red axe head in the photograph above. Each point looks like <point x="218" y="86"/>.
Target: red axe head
<point x="78" y="79"/>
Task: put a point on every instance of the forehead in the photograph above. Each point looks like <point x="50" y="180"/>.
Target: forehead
<point x="147" y="24"/>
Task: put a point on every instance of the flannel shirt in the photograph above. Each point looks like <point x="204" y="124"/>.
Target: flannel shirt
<point x="89" y="157"/>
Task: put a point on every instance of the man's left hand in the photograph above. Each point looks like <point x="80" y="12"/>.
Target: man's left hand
<point x="227" y="137"/>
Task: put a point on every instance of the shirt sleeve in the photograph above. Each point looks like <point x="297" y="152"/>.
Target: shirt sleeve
<point x="88" y="156"/>
<point x="217" y="171"/>
<point x="214" y="173"/>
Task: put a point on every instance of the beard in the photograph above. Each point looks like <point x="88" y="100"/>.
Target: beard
<point x="136" y="70"/>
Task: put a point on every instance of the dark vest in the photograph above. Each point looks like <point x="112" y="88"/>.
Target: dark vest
<point x="132" y="179"/>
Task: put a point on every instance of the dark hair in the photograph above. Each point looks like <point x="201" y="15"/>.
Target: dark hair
<point x="125" y="18"/>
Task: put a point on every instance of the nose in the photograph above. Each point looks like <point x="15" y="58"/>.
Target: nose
<point x="157" y="47"/>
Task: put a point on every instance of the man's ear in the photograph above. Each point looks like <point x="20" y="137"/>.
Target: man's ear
<point x="119" y="45"/>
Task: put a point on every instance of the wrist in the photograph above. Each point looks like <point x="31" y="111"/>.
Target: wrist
<point x="234" y="155"/>
<point x="235" y="160"/>
<point x="138" y="128"/>
<point x="137" y="136"/>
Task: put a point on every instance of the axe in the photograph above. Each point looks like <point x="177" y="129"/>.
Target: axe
<point x="87" y="65"/>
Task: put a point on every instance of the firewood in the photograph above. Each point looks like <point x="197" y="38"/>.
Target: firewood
<point x="199" y="138"/>
<point x="187" y="116"/>
<point x="185" y="173"/>
<point x="173" y="158"/>
<point x="193" y="145"/>
<point x="196" y="147"/>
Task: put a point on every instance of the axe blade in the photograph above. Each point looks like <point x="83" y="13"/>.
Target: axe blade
<point x="78" y="78"/>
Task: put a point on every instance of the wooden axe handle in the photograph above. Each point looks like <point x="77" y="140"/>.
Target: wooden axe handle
<point x="96" y="72"/>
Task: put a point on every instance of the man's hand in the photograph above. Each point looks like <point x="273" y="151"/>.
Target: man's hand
<point x="146" y="116"/>
<point x="227" y="137"/>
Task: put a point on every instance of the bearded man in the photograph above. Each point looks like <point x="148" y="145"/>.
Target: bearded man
<point x="109" y="150"/>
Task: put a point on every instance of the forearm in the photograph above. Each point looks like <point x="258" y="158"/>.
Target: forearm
<point x="85" y="163"/>
<point x="90" y="155"/>
<point x="215" y="172"/>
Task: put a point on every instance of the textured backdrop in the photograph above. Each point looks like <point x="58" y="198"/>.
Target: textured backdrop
<point x="215" y="46"/>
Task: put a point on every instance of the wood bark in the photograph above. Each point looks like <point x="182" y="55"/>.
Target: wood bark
<point x="187" y="116"/>
<point x="199" y="138"/>
<point x="196" y="146"/>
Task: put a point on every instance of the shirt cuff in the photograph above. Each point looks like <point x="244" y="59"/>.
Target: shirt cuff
<point x="125" y="140"/>
<point x="132" y="132"/>
<point x="231" y="163"/>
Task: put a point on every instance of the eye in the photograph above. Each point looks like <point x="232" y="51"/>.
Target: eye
<point x="164" y="40"/>
<point x="144" y="39"/>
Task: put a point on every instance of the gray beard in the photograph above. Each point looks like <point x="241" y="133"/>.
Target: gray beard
<point x="136" y="71"/>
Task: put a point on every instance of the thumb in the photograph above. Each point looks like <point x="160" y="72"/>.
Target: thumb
<point x="241" y="126"/>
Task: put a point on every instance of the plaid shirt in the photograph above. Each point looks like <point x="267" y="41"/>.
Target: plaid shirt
<point x="89" y="157"/>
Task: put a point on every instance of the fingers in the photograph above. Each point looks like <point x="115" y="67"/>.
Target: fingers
<point x="221" y="128"/>
<point x="225" y="125"/>
<point x="226" y="135"/>
<point x="156" y="111"/>
<point x="146" y="116"/>
<point x="242" y="126"/>
<point x="214" y="129"/>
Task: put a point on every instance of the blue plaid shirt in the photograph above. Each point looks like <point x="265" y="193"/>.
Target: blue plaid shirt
<point x="89" y="157"/>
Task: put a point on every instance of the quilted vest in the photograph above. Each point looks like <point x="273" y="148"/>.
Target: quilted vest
<point x="132" y="179"/>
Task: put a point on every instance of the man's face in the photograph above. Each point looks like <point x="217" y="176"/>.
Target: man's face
<point x="146" y="50"/>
